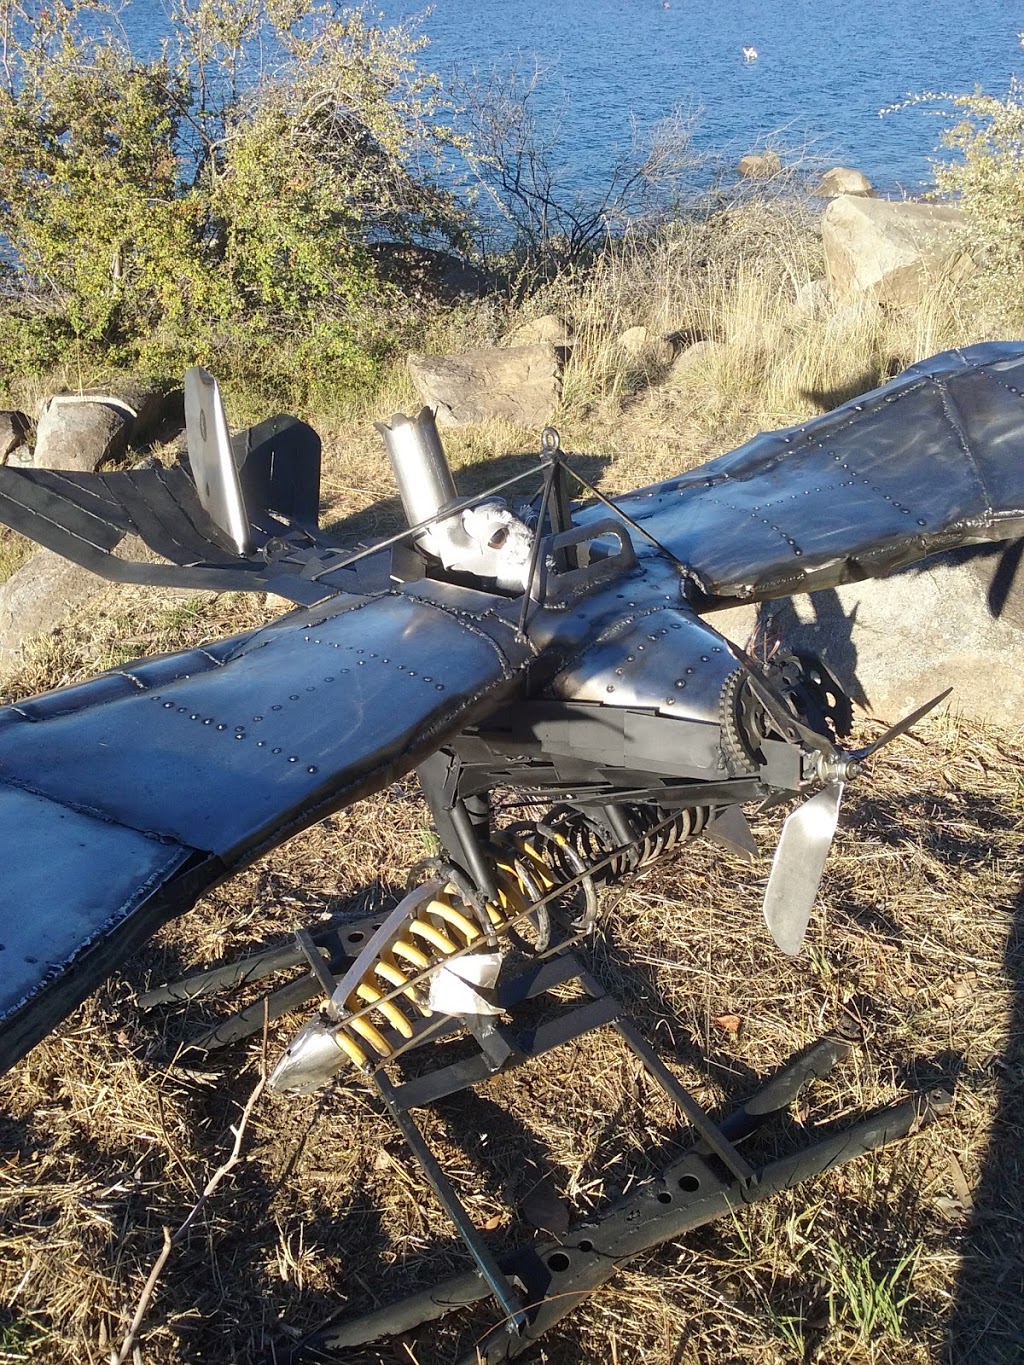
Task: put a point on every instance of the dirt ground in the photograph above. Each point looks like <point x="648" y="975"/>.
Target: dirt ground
<point x="108" y="1134"/>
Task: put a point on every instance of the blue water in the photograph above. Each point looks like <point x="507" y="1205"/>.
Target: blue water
<point x="824" y="69"/>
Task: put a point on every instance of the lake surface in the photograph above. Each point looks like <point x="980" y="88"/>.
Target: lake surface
<point x="823" y="72"/>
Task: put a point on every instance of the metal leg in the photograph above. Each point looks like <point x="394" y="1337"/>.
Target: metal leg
<point x="497" y="1283"/>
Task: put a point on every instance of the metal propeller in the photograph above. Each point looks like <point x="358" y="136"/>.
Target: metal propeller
<point x="808" y="832"/>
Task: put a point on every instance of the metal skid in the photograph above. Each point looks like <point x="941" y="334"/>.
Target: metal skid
<point x="535" y="1285"/>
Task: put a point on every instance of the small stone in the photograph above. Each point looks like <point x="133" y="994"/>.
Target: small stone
<point x="843" y="180"/>
<point x="81" y="431"/>
<point x="13" y="430"/>
<point x="550" y="328"/>
<point x="811" y="298"/>
<point x="760" y="165"/>
<point x="687" y="362"/>
<point x="643" y="345"/>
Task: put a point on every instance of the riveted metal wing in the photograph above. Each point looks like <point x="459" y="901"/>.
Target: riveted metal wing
<point x="931" y="461"/>
<point x="123" y="798"/>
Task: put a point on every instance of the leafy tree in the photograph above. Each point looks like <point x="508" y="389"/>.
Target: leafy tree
<point x="218" y="200"/>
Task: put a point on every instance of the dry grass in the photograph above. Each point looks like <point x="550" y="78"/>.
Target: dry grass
<point x="103" y="1141"/>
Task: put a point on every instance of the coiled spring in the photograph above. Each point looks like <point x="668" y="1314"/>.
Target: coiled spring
<point x="529" y="863"/>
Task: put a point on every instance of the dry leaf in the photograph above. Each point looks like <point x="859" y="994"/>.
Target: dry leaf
<point x="729" y="1023"/>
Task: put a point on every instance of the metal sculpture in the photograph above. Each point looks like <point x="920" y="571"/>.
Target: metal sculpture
<point x="557" y="651"/>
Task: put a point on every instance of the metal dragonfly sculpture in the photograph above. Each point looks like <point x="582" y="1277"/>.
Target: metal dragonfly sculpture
<point x="557" y="650"/>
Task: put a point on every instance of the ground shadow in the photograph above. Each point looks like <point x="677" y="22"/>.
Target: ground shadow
<point x="987" y="1325"/>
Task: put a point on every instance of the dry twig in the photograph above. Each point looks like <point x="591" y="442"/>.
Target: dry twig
<point x="171" y="1240"/>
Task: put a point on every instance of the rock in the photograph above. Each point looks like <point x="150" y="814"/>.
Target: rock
<point x="38" y="596"/>
<point x="843" y="180"/>
<point x="760" y="165"/>
<point x="153" y="404"/>
<point x="955" y="620"/>
<point x="82" y="431"/>
<point x="811" y="298"/>
<point x="687" y="361"/>
<point x="892" y="249"/>
<point x="13" y="430"/>
<point x="550" y="328"/>
<point x="20" y="457"/>
<point x="520" y="383"/>
<point x="640" y="344"/>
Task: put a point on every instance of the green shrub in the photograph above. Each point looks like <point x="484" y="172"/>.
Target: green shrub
<point x="215" y="203"/>
<point x="986" y="177"/>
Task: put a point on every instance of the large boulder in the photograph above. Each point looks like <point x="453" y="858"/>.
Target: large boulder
<point x="843" y="180"/>
<point x="892" y="250"/>
<point x="520" y="383"/>
<point x="38" y="596"/>
<point x="956" y="620"/>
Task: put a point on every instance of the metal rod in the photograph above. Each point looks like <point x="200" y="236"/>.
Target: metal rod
<point x="680" y="1097"/>
<point x="508" y="1300"/>
<point x="538" y="540"/>
<point x="633" y="525"/>
<point x="411" y="531"/>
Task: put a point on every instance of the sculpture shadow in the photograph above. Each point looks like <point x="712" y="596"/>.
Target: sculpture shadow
<point x="986" y="1326"/>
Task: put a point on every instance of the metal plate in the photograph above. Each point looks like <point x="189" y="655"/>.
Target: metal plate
<point x="928" y="462"/>
<point x="68" y="880"/>
<point x="306" y="714"/>
<point x="666" y="660"/>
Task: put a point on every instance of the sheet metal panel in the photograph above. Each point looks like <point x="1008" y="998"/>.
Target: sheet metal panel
<point x="933" y="460"/>
<point x="68" y="880"/>
<point x="296" y="717"/>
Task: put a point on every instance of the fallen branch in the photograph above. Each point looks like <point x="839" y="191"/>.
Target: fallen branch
<point x="171" y="1240"/>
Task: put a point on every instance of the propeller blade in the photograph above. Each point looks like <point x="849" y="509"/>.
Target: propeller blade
<point x="901" y="727"/>
<point x="779" y="711"/>
<point x="797" y="867"/>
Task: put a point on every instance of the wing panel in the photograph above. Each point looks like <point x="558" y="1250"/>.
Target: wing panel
<point x="70" y="880"/>
<point x="930" y="461"/>
<point x="298" y="718"/>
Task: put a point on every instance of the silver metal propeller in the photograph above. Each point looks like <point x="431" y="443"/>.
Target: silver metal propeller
<point x="797" y="867"/>
<point x="807" y="837"/>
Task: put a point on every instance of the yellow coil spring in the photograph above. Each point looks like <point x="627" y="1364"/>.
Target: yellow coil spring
<point x="437" y="929"/>
<point x="527" y="864"/>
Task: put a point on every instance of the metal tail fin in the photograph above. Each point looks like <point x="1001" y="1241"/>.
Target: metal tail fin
<point x="211" y="457"/>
